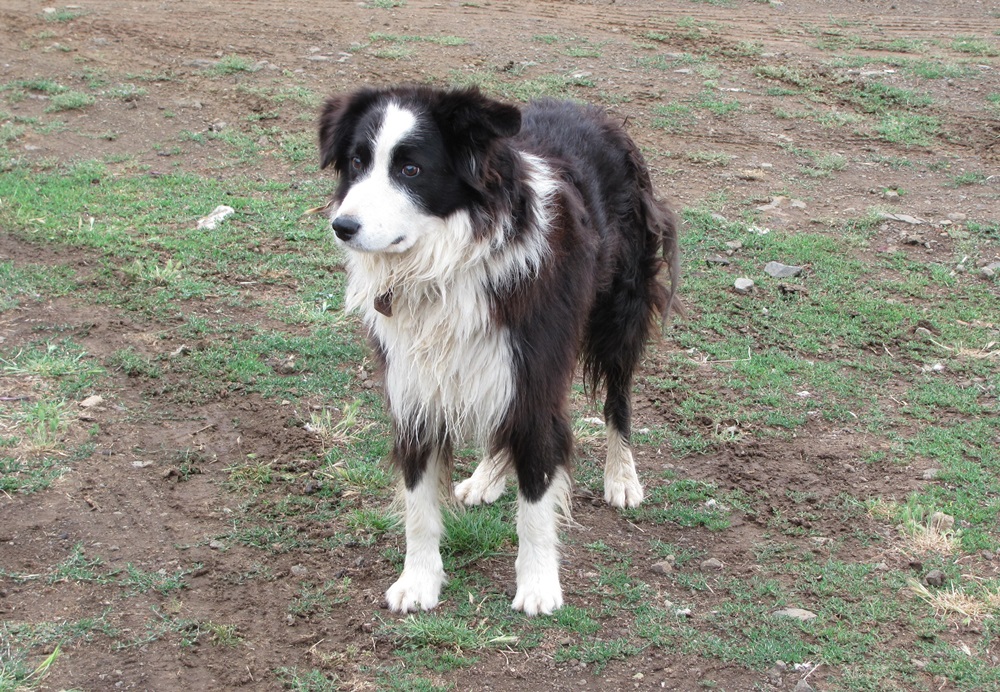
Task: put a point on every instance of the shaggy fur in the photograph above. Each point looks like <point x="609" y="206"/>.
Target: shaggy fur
<point x="489" y="249"/>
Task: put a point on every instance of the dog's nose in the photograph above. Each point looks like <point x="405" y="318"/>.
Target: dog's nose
<point x="346" y="227"/>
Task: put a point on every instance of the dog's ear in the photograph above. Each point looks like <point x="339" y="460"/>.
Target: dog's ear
<point x="468" y="115"/>
<point x="337" y="120"/>
<point x="470" y="124"/>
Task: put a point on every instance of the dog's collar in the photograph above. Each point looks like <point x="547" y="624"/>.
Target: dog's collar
<point x="383" y="303"/>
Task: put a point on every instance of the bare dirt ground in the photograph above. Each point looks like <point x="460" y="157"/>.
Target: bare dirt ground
<point x="160" y="523"/>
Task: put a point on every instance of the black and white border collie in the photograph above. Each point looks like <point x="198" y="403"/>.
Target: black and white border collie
<point x="488" y="247"/>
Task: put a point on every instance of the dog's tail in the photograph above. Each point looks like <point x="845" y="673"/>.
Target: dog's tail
<point x="661" y="249"/>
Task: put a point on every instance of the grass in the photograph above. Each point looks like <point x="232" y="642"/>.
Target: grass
<point x="258" y="305"/>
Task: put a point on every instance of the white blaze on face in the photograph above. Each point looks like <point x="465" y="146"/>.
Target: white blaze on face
<point x="391" y="221"/>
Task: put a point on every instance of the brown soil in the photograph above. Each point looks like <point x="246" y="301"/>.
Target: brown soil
<point x="161" y="517"/>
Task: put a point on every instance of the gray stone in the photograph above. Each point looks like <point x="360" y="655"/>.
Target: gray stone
<point x="662" y="567"/>
<point x="781" y="271"/>
<point x="795" y="613"/>
<point x="743" y="286"/>
<point x="935" y="578"/>
<point x="711" y="565"/>
<point x="717" y="259"/>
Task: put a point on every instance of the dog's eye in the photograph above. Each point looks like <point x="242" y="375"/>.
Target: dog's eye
<point x="356" y="163"/>
<point x="410" y="171"/>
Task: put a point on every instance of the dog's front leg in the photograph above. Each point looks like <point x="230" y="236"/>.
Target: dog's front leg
<point x="538" y="589"/>
<point x="419" y="586"/>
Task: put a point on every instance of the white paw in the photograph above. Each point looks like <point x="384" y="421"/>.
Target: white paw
<point x="623" y="489"/>
<point x="415" y="590"/>
<point x="540" y="597"/>
<point x="480" y="489"/>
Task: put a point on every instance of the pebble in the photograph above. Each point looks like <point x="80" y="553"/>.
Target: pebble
<point x="935" y="578"/>
<point x="990" y="270"/>
<point x="802" y="686"/>
<point x="795" y="613"/>
<point x="299" y="571"/>
<point x="942" y="521"/>
<point x="662" y="567"/>
<point x="734" y="244"/>
<point x="216" y="545"/>
<point x="717" y="259"/>
<point x="743" y="286"/>
<point x="711" y="564"/>
<point x="905" y="218"/>
<point x="782" y="271"/>
<point x="216" y="217"/>
<point x="92" y="401"/>
<point x="929" y="474"/>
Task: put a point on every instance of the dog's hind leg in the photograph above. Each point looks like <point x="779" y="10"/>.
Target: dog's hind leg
<point x="486" y="483"/>
<point x="621" y="482"/>
<point x="419" y="586"/>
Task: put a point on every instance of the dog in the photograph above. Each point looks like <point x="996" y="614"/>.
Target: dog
<point x="490" y="249"/>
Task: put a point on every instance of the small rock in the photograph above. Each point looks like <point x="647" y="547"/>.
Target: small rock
<point x="218" y="126"/>
<point x="141" y="464"/>
<point x="720" y="218"/>
<point x="797" y="204"/>
<point x="795" y="613"/>
<point x="905" y="218"/>
<point x="216" y="217"/>
<point x="711" y="565"/>
<point x="988" y="555"/>
<point x="734" y="244"/>
<point x="92" y="401"/>
<point x="717" y="259"/>
<point x="935" y="578"/>
<point x="299" y="571"/>
<point x="957" y="216"/>
<point x="802" y="686"/>
<point x="662" y="567"/>
<point x="773" y="204"/>
<point x="929" y="474"/>
<point x="990" y="270"/>
<point x="181" y="350"/>
<point x="216" y="545"/>
<point x="683" y="612"/>
<point x="941" y="521"/>
<point x="781" y="271"/>
<point x="743" y="286"/>
<point x="752" y="174"/>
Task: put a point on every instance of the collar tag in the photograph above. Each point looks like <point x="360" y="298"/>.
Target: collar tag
<point x="383" y="303"/>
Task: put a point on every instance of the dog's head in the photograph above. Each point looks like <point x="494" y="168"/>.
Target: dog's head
<point x="408" y="158"/>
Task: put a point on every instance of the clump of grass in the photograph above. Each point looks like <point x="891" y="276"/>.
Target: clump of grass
<point x="69" y="101"/>
<point x="341" y="432"/>
<point x="968" y="178"/>
<point x="673" y="117"/>
<point x="403" y="38"/>
<point x="908" y="129"/>
<point x="230" y="65"/>
<point x="125" y="92"/>
<point x="974" y="46"/>
<point x="709" y="158"/>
